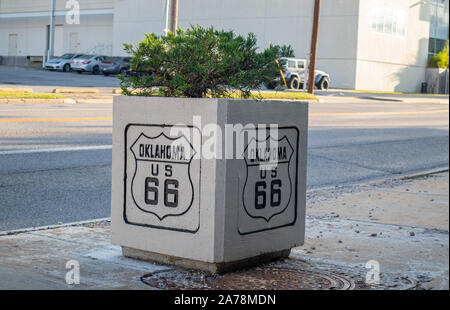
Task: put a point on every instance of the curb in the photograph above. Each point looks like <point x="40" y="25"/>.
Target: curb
<point x="68" y="101"/>
<point x="21" y="90"/>
<point x="38" y="228"/>
<point x="443" y="102"/>
<point x="56" y="101"/>
<point x="324" y="99"/>
<point x="87" y="101"/>
<point x="375" y="92"/>
<point x="405" y="176"/>
<point x="76" y="91"/>
<point x="425" y="173"/>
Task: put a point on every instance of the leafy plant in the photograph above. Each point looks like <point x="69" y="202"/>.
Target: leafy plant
<point x="441" y="60"/>
<point x="287" y="51"/>
<point x="198" y="63"/>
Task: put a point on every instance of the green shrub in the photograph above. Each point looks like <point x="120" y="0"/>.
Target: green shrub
<point x="287" y="51"/>
<point x="199" y="63"/>
<point x="440" y="60"/>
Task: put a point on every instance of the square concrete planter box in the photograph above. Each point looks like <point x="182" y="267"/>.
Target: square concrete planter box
<point x="175" y="202"/>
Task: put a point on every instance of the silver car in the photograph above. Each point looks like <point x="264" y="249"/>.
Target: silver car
<point x="87" y="63"/>
<point x="62" y="63"/>
<point x="115" y="65"/>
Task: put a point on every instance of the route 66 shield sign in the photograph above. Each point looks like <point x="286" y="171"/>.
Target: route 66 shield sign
<point x="269" y="190"/>
<point x="162" y="179"/>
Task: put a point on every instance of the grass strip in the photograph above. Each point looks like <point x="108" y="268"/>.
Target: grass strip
<point x="26" y="95"/>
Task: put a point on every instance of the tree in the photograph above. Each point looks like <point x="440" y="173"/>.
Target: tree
<point x="287" y="51"/>
<point x="199" y="63"/>
<point x="441" y="60"/>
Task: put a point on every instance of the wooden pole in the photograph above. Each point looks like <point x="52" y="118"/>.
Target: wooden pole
<point x="315" y="32"/>
<point x="173" y="16"/>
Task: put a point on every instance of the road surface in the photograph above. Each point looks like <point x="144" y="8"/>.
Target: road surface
<point x="54" y="169"/>
<point x="46" y="81"/>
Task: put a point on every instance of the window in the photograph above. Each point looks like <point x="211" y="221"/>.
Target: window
<point x="67" y="56"/>
<point x="388" y="24"/>
<point x="292" y="64"/>
<point x="300" y="65"/>
<point x="439" y="19"/>
<point x="283" y="62"/>
<point x="389" y="21"/>
<point x="379" y="24"/>
<point x="435" y="46"/>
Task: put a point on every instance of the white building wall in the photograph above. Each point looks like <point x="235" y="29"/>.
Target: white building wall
<point x="337" y="42"/>
<point x="23" y="6"/>
<point x="276" y="21"/>
<point x="29" y="34"/>
<point x="133" y="19"/>
<point x="30" y="19"/>
<point x="389" y="62"/>
<point x="95" y="35"/>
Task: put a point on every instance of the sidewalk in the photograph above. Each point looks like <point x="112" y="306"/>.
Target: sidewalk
<point x="106" y="95"/>
<point x="400" y="224"/>
<point x="345" y="98"/>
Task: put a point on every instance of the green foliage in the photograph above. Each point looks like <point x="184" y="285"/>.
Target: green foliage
<point x="199" y="63"/>
<point x="287" y="51"/>
<point x="441" y="60"/>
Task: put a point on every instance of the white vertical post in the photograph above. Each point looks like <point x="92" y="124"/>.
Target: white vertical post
<point x="166" y="25"/>
<point x="51" y="43"/>
<point x="44" y="58"/>
<point x="305" y="74"/>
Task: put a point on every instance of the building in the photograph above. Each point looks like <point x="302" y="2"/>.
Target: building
<point x="24" y="28"/>
<point x="363" y="44"/>
<point x="438" y="25"/>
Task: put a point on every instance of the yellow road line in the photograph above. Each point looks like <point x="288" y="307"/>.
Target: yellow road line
<point x="46" y="120"/>
<point x="380" y="113"/>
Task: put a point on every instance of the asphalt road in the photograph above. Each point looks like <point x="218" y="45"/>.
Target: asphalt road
<point x="42" y="80"/>
<point x="59" y="171"/>
<point x="46" y="187"/>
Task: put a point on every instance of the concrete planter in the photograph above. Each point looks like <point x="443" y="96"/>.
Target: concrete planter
<point x="176" y="202"/>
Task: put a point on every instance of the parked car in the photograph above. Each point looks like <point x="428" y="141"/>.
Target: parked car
<point x="115" y="65"/>
<point x="134" y="73"/>
<point x="293" y="70"/>
<point x="62" y="63"/>
<point x="87" y="63"/>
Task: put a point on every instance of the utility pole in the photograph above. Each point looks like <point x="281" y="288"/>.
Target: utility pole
<point x="51" y="41"/>
<point x="173" y="16"/>
<point x="315" y="32"/>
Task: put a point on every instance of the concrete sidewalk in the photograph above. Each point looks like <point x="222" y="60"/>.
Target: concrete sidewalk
<point x="105" y="95"/>
<point x="376" y="98"/>
<point x="399" y="225"/>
